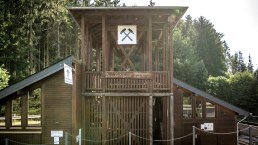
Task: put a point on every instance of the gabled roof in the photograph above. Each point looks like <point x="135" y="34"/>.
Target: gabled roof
<point x="35" y="77"/>
<point x="211" y="98"/>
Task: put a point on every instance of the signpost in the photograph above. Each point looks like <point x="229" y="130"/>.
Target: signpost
<point x="56" y="134"/>
<point x="68" y="74"/>
<point x="127" y="34"/>
<point x="207" y="126"/>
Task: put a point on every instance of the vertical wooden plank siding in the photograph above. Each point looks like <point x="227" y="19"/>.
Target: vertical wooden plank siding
<point x="57" y="106"/>
<point x="111" y="118"/>
<point x="29" y="138"/>
<point x="178" y="108"/>
<point x="76" y="100"/>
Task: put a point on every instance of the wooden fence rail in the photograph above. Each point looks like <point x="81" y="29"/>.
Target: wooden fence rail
<point x="127" y="81"/>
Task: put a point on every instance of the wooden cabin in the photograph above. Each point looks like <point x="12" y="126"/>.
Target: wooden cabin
<point x="123" y="82"/>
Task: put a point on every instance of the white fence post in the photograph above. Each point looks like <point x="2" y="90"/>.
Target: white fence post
<point x="130" y="138"/>
<point x="66" y="138"/>
<point x="193" y="135"/>
<point x="80" y="136"/>
<point x="6" y="141"/>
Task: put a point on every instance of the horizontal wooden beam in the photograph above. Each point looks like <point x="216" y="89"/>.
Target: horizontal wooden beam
<point x="133" y="94"/>
<point x="122" y="13"/>
<point x="91" y="20"/>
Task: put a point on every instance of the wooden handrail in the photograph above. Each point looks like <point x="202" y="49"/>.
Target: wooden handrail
<point x="127" y="81"/>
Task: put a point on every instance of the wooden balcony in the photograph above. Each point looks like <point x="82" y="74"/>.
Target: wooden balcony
<point x="126" y="81"/>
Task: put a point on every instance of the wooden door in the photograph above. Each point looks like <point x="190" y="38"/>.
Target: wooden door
<point x="108" y="120"/>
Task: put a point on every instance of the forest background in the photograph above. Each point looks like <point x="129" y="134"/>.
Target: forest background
<point x="36" y="34"/>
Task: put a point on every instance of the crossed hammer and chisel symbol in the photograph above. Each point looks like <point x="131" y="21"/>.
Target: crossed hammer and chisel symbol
<point x="127" y="34"/>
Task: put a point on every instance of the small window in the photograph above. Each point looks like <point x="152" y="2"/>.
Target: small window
<point x="34" y="108"/>
<point x="210" y="110"/>
<point x="187" y="106"/>
<point x="198" y="108"/>
<point x="2" y="115"/>
<point x="16" y="112"/>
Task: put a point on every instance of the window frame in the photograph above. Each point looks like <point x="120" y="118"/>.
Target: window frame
<point x="215" y="109"/>
<point x="190" y="96"/>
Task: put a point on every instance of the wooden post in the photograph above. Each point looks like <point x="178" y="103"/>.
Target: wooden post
<point x="167" y="50"/>
<point x="130" y="138"/>
<point x="171" y="118"/>
<point x="151" y="119"/>
<point x="170" y="47"/>
<point x="24" y="109"/>
<point x="104" y="69"/>
<point x="150" y="43"/>
<point x="104" y="121"/>
<point x="82" y="39"/>
<point x="6" y="141"/>
<point x="66" y="138"/>
<point x="164" y="49"/>
<point x="145" y="56"/>
<point x="193" y="135"/>
<point x="8" y="114"/>
<point x="104" y="46"/>
<point x="250" y="135"/>
<point x="90" y="48"/>
<point x="98" y="59"/>
<point x="104" y="43"/>
<point x="87" y="45"/>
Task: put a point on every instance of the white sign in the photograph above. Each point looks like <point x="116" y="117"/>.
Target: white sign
<point x="55" y="133"/>
<point x="127" y="34"/>
<point x="56" y="140"/>
<point x="79" y="137"/>
<point x="207" y="126"/>
<point x="68" y="74"/>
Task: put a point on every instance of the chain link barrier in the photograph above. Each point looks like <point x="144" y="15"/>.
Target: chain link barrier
<point x="21" y="143"/>
<point x="127" y="134"/>
<point x="190" y="134"/>
<point x="226" y="133"/>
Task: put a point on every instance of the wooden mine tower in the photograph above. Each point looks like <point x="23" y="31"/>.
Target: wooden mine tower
<point x="127" y="76"/>
<point x="123" y="82"/>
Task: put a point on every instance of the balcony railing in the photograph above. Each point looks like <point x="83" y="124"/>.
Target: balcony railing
<point x="115" y="81"/>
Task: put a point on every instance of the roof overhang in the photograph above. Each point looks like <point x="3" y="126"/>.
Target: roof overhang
<point x="175" y="11"/>
<point x="211" y="98"/>
<point x="35" y="77"/>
